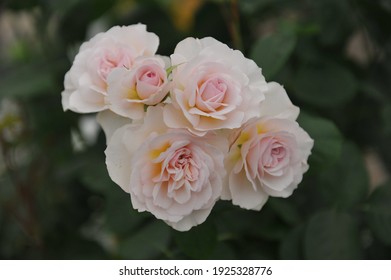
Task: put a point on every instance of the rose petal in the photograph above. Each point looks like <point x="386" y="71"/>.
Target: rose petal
<point x="243" y="193"/>
<point x="110" y="122"/>
<point x="118" y="161"/>
<point x="196" y="218"/>
<point x="277" y="103"/>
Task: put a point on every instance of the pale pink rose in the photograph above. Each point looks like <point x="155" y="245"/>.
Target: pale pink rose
<point x="214" y="87"/>
<point x="86" y="82"/>
<point x="268" y="158"/>
<point x="171" y="173"/>
<point x="129" y="90"/>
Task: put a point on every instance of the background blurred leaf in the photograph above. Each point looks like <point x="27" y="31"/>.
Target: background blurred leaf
<point x="285" y="209"/>
<point x="26" y="81"/>
<point x="324" y="85"/>
<point x="80" y="248"/>
<point x="327" y="139"/>
<point x="95" y="176"/>
<point x="272" y="52"/>
<point x="335" y="18"/>
<point x="378" y="213"/>
<point x="268" y="224"/>
<point x="120" y="218"/>
<point x="346" y="183"/>
<point x="291" y="247"/>
<point x="332" y="235"/>
<point x="251" y="6"/>
<point x="386" y="118"/>
<point x="148" y="242"/>
<point x="199" y="242"/>
<point x="21" y="4"/>
<point x="223" y="251"/>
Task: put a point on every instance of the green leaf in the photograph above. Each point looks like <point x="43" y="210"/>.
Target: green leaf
<point x="335" y="18"/>
<point x="272" y="229"/>
<point x="324" y="85"/>
<point x="148" y="242"/>
<point x="26" y="81"/>
<point x="378" y="213"/>
<point x="386" y="118"/>
<point x="199" y="242"/>
<point x="77" y="247"/>
<point x="272" y="52"/>
<point x="21" y="4"/>
<point x="7" y="190"/>
<point x="120" y="217"/>
<point x="63" y="7"/>
<point x="284" y="209"/>
<point x="346" y="183"/>
<point x="332" y="235"/>
<point x="95" y="176"/>
<point x="327" y="139"/>
<point x="12" y="238"/>
<point x="251" y="6"/>
<point x="238" y="223"/>
<point x="291" y="246"/>
<point x="223" y="251"/>
<point x="234" y="222"/>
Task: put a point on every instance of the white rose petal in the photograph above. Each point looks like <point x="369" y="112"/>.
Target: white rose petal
<point x="267" y="158"/>
<point x="277" y="103"/>
<point x="86" y="82"/>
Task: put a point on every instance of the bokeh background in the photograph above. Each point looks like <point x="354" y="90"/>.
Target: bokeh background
<point x="333" y="58"/>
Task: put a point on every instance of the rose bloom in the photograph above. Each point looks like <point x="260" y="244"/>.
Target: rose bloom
<point x="214" y="87"/>
<point x="86" y="82"/>
<point x="267" y="158"/>
<point x="129" y="90"/>
<point x="173" y="174"/>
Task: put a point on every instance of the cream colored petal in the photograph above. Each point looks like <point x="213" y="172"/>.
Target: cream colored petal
<point x="110" y="122"/>
<point x="277" y="103"/>
<point x="173" y="118"/>
<point x="195" y="218"/>
<point x="243" y="193"/>
<point x="118" y="159"/>
<point x="87" y="100"/>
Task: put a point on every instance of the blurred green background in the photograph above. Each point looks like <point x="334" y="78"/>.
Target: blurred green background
<point x="333" y="58"/>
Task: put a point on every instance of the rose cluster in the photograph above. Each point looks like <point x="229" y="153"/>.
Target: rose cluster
<point x="187" y="130"/>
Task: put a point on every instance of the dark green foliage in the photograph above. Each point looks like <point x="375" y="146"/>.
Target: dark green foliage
<point x="324" y="85"/>
<point x="273" y="51"/>
<point x="327" y="139"/>
<point x="198" y="243"/>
